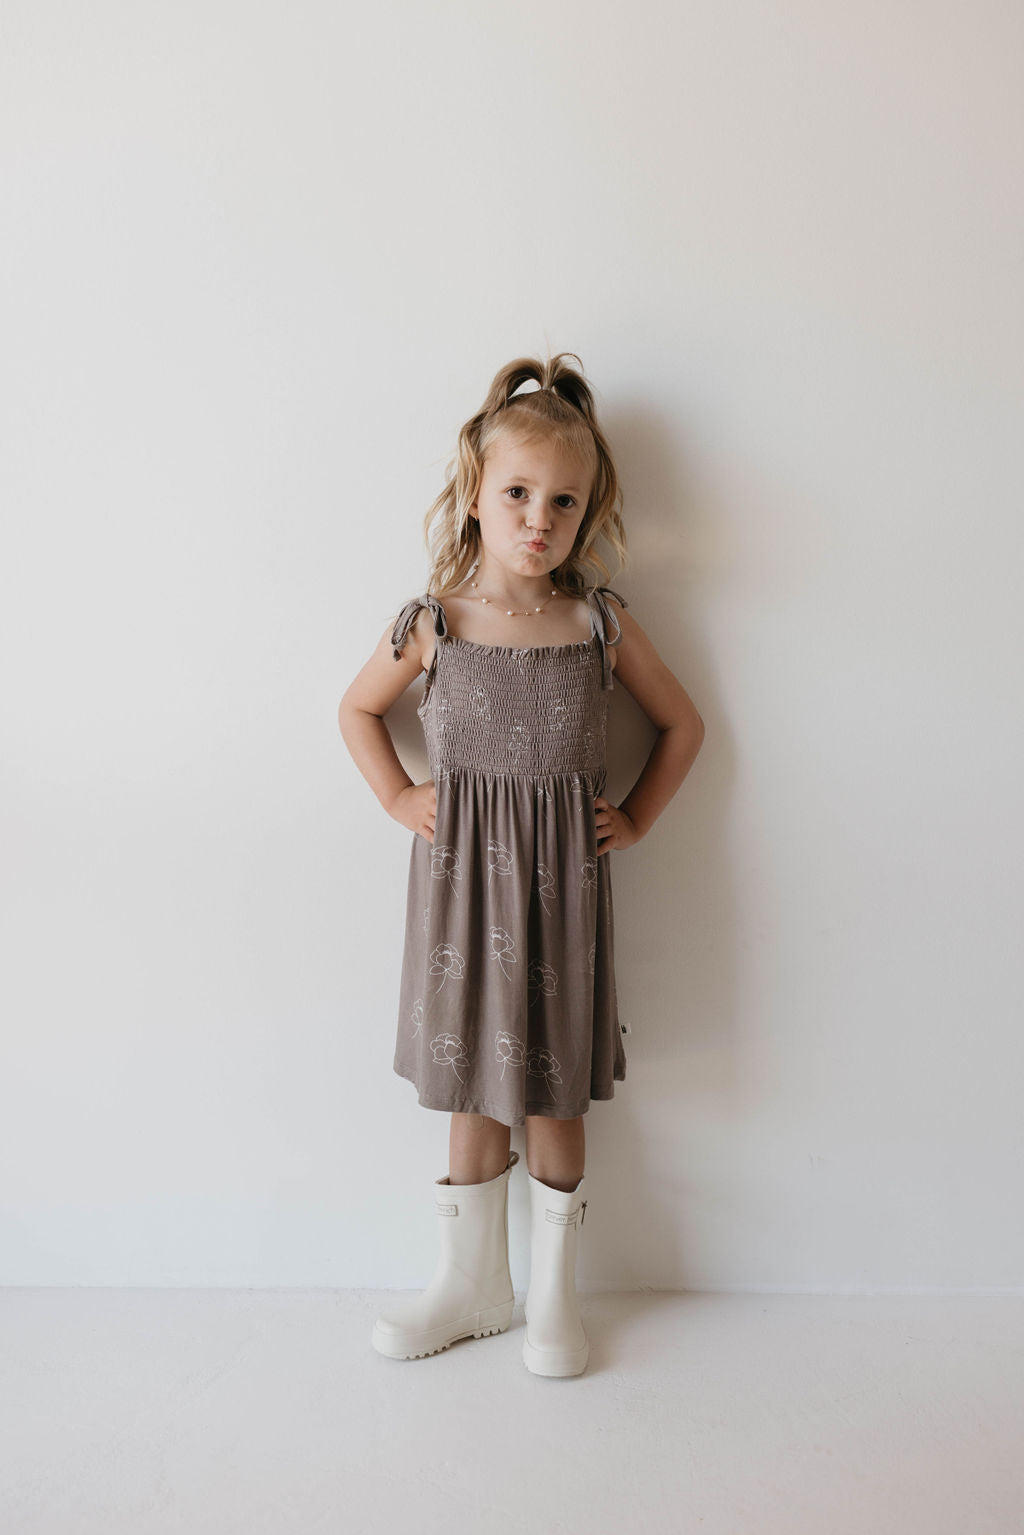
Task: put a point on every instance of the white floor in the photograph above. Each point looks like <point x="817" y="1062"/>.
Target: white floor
<point x="249" y="1411"/>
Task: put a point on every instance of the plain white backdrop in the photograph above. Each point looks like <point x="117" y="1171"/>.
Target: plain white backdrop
<point x="259" y="264"/>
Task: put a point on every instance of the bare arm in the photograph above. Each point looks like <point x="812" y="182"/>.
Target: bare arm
<point x="672" y="756"/>
<point x="373" y="751"/>
<point x="361" y="721"/>
<point x="669" y="707"/>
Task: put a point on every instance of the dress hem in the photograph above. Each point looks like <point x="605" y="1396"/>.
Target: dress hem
<point x="546" y="1110"/>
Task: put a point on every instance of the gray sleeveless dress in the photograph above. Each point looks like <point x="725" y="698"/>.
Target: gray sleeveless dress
<point x="507" y="1004"/>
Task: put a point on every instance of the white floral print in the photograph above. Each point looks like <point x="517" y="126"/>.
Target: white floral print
<point x="442" y="717"/>
<point x="582" y="789"/>
<point x="445" y="863"/>
<point x="545" y="886"/>
<point x="445" y="776"/>
<point x="500" y="860"/>
<point x="541" y="1063"/>
<point x="445" y="961"/>
<point x="479" y="703"/>
<point x="509" y="1049"/>
<point x="558" y="715"/>
<point x="417" y="1015"/>
<point x="502" y="949"/>
<point x="591" y="956"/>
<point x="449" y="1050"/>
<point x="542" y="979"/>
<point x="518" y="740"/>
<point x="588" y="871"/>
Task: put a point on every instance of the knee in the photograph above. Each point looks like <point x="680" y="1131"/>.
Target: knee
<point x="478" y="1123"/>
<point x="543" y="1123"/>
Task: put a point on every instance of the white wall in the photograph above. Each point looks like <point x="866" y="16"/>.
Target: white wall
<point x="260" y="262"/>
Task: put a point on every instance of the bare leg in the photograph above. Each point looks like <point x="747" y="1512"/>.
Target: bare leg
<point x="477" y="1148"/>
<point x="555" y="1150"/>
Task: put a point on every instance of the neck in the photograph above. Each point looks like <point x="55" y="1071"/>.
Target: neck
<point x="516" y="591"/>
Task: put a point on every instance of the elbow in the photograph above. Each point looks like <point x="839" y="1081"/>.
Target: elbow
<point x="349" y="712"/>
<point x="691" y="730"/>
<point x="689" y="725"/>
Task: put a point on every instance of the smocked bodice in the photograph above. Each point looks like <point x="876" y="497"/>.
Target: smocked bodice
<point x="536" y="710"/>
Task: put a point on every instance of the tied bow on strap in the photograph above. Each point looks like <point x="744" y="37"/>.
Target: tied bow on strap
<point x="407" y="618"/>
<point x="609" y="621"/>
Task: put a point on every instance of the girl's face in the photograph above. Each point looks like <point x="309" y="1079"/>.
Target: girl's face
<point x="530" y="492"/>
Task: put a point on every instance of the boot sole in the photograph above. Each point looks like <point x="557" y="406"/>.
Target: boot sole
<point x="555" y="1362"/>
<point x="420" y="1345"/>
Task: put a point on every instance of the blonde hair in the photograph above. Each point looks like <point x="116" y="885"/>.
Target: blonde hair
<point x="562" y="408"/>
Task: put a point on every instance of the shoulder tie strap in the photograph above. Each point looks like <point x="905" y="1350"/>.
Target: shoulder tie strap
<point x="407" y="617"/>
<point x="599" y="597"/>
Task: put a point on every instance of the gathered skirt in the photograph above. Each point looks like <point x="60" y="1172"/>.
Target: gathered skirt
<point x="507" y="1002"/>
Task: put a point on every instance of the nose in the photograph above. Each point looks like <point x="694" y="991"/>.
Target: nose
<point x="538" y="523"/>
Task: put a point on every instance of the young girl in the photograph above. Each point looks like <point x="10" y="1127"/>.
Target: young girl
<point x="508" y="1011"/>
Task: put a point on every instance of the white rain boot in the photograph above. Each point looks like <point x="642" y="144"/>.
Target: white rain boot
<point x="555" y="1342"/>
<point x="471" y="1292"/>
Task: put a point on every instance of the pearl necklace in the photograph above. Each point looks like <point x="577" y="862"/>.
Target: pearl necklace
<point x="524" y="612"/>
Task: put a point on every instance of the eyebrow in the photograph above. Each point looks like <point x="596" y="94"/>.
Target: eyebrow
<point x="524" y="479"/>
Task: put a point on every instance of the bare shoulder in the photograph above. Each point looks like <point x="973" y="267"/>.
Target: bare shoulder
<point x="422" y="638"/>
<point x="383" y="678"/>
<point x="642" y="672"/>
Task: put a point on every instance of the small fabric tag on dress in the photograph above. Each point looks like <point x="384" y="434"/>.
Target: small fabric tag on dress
<point x="447" y="1209"/>
<point x="561" y="1220"/>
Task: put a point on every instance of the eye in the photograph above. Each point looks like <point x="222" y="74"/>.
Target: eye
<point x="512" y="491"/>
<point x="571" y="500"/>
